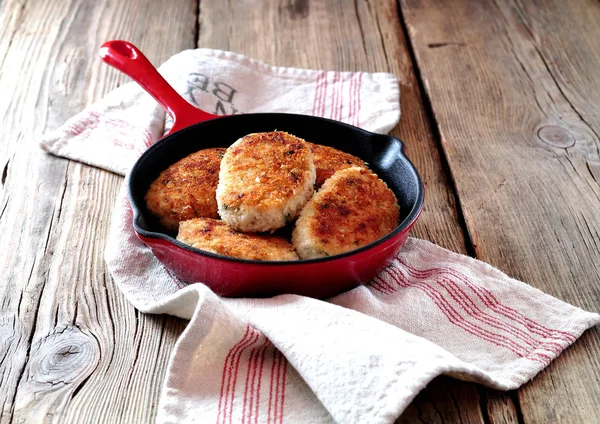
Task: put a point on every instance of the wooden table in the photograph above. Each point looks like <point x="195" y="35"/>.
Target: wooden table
<point x="500" y="112"/>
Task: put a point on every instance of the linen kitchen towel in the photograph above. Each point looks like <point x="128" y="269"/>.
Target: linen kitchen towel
<point x="361" y="356"/>
<point x="113" y="132"/>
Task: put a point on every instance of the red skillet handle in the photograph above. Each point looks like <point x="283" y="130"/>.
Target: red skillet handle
<point x="125" y="57"/>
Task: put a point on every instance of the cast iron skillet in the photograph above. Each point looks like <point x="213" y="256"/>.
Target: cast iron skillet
<point x="194" y="130"/>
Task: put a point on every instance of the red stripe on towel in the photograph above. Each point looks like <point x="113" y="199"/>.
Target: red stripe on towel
<point x="497" y="339"/>
<point x="225" y="373"/>
<point x="225" y="377"/>
<point x="236" y="370"/>
<point x="251" y="382"/>
<point x="276" y="391"/>
<point x="354" y="99"/>
<point x="455" y="318"/>
<point x="318" y="92"/>
<point x="525" y="337"/>
<point x="357" y="113"/>
<point x="322" y="105"/>
<point x="230" y="373"/>
<point x="467" y="304"/>
<point x="334" y="95"/>
<point x="271" y="386"/>
<point x="260" y="372"/>
<point x="283" y="378"/>
<point x="489" y="300"/>
<point x="535" y="349"/>
<point x="340" y="103"/>
<point x="251" y="371"/>
<point x="492" y="321"/>
<point x="276" y="358"/>
<point x="351" y="99"/>
<point x="382" y="286"/>
<point x="120" y="129"/>
<point x="180" y="284"/>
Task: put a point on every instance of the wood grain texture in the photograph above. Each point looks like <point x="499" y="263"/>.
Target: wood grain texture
<point x="356" y="36"/>
<point x="502" y="407"/>
<point x="72" y="349"/>
<point x="445" y="400"/>
<point x="349" y="36"/>
<point x="513" y="105"/>
<point x="514" y="91"/>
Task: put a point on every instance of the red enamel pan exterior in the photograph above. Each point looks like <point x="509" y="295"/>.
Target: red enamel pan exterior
<point x="195" y="130"/>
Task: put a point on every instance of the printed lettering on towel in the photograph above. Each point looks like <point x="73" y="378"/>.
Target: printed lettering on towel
<point x="223" y="93"/>
<point x="200" y="85"/>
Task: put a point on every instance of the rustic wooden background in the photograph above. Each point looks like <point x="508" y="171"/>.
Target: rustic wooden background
<point x="500" y="112"/>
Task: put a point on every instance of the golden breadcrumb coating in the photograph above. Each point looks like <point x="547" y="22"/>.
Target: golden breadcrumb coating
<point x="329" y="160"/>
<point x="353" y="208"/>
<point x="217" y="237"/>
<point x="265" y="180"/>
<point x="186" y="189"/>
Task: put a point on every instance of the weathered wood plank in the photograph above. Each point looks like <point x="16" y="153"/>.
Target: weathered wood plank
<point x="501" y="407"/>
<point x="71" y="347"/>
<point x="356" y="36"/>
<point x="514" y="90"/>
<point x="343" y="36"/>
<point x="445" y="401"/>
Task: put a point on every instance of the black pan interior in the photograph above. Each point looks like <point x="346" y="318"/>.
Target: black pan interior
<point x="383" y="154"/>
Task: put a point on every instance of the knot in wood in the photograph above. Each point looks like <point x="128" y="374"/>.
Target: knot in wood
<point x="63" y="357"/>
<point x="297" y="9"/>
<point x="556" y="136"/>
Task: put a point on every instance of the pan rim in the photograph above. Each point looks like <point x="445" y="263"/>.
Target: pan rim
<point x="403" y="226"/>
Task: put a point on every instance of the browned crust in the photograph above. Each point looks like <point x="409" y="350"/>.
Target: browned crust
<point x="267" y="170"/>
<point x="352" y="209"/>
<point x="217" y="237"/>
<point x="186" y="189"/>
<point x="329" y="160"/>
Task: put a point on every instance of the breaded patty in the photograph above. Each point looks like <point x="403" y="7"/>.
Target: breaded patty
<point x="186" y="189"/>
<point x="329" y="160"/>
<point x="217" y="237"/>
<point x="352" y="209"/>
<point x="265" y="180"/>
